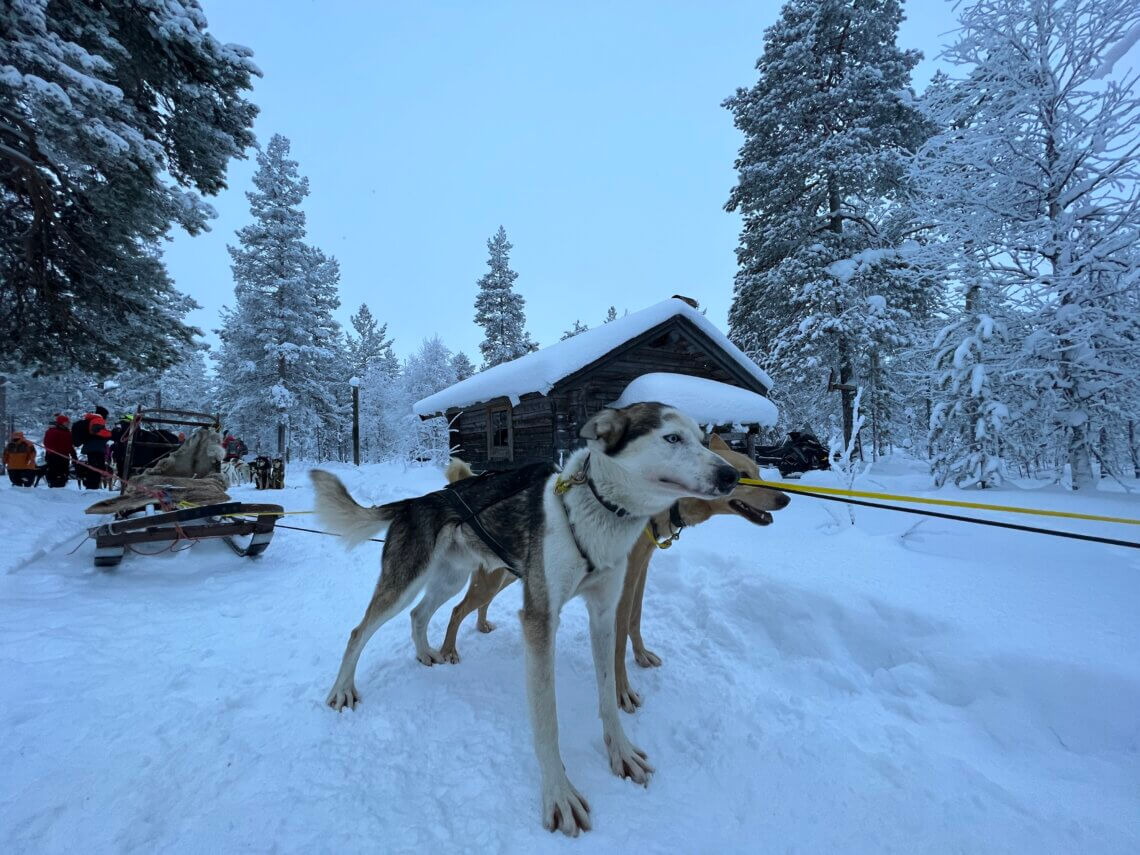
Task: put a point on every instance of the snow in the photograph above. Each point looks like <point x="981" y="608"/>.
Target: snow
<point x="539" y="371"/>
<point x="706" y="401"/>
<point x="899" y="685"/>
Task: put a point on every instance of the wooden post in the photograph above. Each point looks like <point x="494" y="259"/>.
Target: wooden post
<point x="355" y="383"/>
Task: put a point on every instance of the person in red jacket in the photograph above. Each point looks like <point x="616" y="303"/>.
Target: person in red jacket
<point x="60" y="451"/>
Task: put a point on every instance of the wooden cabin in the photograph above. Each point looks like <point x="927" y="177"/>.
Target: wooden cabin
<point x="531" y="409"/>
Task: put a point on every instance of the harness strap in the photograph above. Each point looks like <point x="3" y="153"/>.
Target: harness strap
<point x="577" y="543"/>
<point x="471" y="518"/>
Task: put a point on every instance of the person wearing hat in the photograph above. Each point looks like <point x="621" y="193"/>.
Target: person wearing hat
<point x="95" y="451"/>
<point x="20" y="459"/>
<point x="60" y="451"/>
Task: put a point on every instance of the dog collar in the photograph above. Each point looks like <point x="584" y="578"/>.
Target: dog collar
<point x="582" y="476"/>
<point x="676" y="523"/>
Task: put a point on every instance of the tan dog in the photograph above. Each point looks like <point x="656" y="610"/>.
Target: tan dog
<point x="752" y="503"/>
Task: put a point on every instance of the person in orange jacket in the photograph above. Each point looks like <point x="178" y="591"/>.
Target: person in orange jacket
<point x="20" y="460"/>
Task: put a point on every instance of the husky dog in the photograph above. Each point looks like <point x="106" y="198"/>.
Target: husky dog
<point x="563" y="535"/>
<point x="230" y="473"/>
<point x="751" y="503"/>
<point x="277" y="474"/>
<point x="260" y="468"/>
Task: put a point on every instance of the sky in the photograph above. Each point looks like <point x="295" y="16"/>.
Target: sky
<point x="594" y="134"/>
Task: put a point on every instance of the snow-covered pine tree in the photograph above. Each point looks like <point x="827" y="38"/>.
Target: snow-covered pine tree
<point x="611" y="315"/>
<point x="386" y="406"/>
<point x="280" y="341"/>
<point x="462" y="365"/>
<point x="578" y="327"/>
<point x="115" y="119"/>
<point x="968" y="416"/>
<point x="186" y="385"/>
<point x="1035" y="180"/>
<point x="428" y="370"/>
<point x="828" y="128"/>
<point x="498" y="309"/>
<point x="370" y="345"/>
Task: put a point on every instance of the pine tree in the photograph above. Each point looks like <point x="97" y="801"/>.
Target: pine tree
<point x="1035" y="181"/>
<point x="611" y="315"/>
<point x="578" y="327"/>
<point x="967" y="420"/>
<point x="462" y="365"/>
<point x="827" y="128"/>
<point x="186" y="385"/>
<point x="371" y="344"/>
<point x="280" y="343"/>
<point x="498" y="309"/>
<point x="393" y="431"/>
<point x="115" y="120"/>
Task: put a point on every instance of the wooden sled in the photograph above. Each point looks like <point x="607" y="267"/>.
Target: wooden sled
<point x="226" y="520"/>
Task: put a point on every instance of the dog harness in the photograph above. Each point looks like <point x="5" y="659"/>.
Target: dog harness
<point x="470" y="516"/>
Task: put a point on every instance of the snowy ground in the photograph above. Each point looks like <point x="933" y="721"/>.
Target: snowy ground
<point x="826" y="688"/>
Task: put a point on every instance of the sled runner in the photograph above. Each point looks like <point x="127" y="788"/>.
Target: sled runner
<point x="225" y="520"/>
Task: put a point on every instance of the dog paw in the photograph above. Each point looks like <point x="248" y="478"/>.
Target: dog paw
<point x="628" y="699"/>
<point x="339" y="698"/>
<point x="429" y="656"/>
<point x="485" y="626"/>
<point x="628" y="761"/>
<point x="449" y="655"/>
<point x="565" y="809"/>
<point x="646" y="658"/>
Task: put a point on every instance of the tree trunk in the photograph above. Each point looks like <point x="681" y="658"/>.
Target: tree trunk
<point x="356" y="425"/>
<point x="1133" y="451"/>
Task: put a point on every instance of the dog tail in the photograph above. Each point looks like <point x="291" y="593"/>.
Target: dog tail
<point x="457" y="470"/>
<point x="338" y="511"/>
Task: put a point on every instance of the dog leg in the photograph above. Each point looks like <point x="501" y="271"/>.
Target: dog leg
<point x="626" y="759"/>
<point x="627" y="698"/>
<point x="387" y="602"/>
<point x="442" y="586"/>
<point x="482" y="624"/>
<point x="644" y="658"/>
<point x="563" y="807"/>
<point x="484" y="587"/>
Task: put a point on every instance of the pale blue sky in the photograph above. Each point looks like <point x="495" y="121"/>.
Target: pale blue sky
<point x="592" y="132"/>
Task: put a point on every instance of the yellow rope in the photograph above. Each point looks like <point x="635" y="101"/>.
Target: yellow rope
<point x="249" y="513"/>
<point x="950" y="503"/>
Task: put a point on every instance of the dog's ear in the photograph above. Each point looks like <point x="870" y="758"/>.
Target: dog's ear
<point x="607" y="426"/>
<point x="717" y="444"/>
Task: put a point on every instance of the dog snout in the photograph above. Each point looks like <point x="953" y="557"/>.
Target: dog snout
<point x="726" y="478"/>
<point x="782" y="500"/>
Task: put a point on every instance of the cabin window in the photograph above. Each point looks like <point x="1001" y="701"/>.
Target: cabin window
<point x="499" y="445"/>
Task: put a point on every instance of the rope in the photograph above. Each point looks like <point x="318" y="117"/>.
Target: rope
<point x="835" y="491"/>
<point x="937" y="514"/>
<point x="329" y="533"/>
<point x="159" y="495"/>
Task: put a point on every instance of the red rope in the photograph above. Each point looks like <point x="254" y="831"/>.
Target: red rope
<point x="161" y="496"/>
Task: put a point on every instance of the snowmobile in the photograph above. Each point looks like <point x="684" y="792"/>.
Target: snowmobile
<point x="799" y="452"/>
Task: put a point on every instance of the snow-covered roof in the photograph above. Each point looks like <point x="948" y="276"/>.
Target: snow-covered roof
<point x="706" y="401"/>
<point x="541" y="370"/>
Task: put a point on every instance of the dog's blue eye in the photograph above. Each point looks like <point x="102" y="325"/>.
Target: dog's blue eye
<point x="673" y="438"/>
